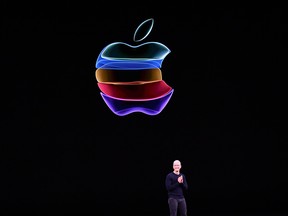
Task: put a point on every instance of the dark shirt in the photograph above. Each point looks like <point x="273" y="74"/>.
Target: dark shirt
<point x="174" y="188"/>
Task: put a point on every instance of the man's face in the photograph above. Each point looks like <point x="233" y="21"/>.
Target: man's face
<point x="176" y="166"/>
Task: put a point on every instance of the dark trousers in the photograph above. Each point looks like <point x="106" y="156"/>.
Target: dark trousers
<point x="177" y="204"/>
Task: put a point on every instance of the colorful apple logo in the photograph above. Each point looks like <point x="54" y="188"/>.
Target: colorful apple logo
<point x="129" y="76"/>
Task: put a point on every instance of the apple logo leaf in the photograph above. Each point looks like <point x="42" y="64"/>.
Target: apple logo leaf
<point x="143" y="30"/>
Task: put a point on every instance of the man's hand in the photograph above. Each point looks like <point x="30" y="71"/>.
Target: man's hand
<point x="180" y="179"/>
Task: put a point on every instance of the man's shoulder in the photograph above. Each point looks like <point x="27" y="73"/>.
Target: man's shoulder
<point x="183" y="174"/>
<point x="170" y="174"/>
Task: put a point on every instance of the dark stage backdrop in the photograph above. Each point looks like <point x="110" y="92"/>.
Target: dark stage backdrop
<point x="63" y="149"/>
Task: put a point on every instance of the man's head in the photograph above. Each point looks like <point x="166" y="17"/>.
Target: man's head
<point x="176" y="165"/>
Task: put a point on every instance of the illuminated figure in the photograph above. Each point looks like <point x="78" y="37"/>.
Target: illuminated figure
<point x="130" y="78"/>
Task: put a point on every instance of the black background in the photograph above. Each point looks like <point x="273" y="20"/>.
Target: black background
<point x="63" y="149"/>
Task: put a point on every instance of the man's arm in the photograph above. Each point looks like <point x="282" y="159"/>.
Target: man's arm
<point x="170" y="185"/>
<point x="184" y="184"/>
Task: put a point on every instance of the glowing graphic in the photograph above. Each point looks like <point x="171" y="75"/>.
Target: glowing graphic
<point x="130" y="78"/>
